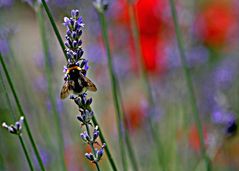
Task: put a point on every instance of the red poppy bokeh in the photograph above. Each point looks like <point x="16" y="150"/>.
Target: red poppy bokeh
<point x="194" y="139"/>
<point x="134" y="117"/>
<point x="152" y="27"/>
<point x="216" y="21"/>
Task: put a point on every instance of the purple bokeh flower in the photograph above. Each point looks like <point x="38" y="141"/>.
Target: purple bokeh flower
<point x="221" y="116"/>
<point x="225" y="72"/>
<point x="45" y="156"/>
<point x="4" y="47"/>
<point x="6" y="3"/>
<point x="195" y="56"/>
<point x="215" y="86"/>
<point x="5" y="34"/>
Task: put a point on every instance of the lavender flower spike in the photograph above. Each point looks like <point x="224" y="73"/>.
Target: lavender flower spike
<point x="76" y="80"/>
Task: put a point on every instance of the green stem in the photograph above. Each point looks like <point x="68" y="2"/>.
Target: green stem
<point x="2" y="164"/>
<point x="13" y="112"/>
<point x="92" y="146"/>
<point x="48" y="74"/>
<point x="26" y="153"/>
<point x="112" y="163"/>
<point x="52" y="21"/>
<point x="22" y="113"/>
<point x="190" y="87"/>
<point x="14" y="118"/>
<point x="114" y="90"/>
<point x="146" y="83"/>
<point x="127" y="137"/>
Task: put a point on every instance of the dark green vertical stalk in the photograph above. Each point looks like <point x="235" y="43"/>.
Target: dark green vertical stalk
<point x="14" y="118"/>
<point x="146" y="83"/>
<point x="22" y="113"/>
<point x="2" y="164"/>
<point x="114" y="89"/>
<point x="26" y="153"/>
<point x="189" y="82"/>
<point x="54" y="26"/>
<point x="48" y="74"/>
<point x="112" y="163"/>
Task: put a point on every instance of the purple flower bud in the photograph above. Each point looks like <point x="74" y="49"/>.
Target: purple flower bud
<point x="96" y="133"/>
<point x="99" y="153"/>
<point x="81" y="111"/>
<point x="21" y="120"/>
<point x="89" y="101"/>
<point x="83" y="63"/>
<point x="79" y="117"/>
<point x="69" y="55"/>
<point x="68" y="32"/>
<point x="77" y="13"/>
<point x="4" y="125"/>
<point x="74" y="44"/>
<point x="75" y="55"/>
<point x="74" y="35"/>
<point x="72" y="23"/>
<point x="79" y="42"/>
<point x="66" y="21"/>
<point x="89" y="156"/>
<point x="73" y="13"/>
<point x="80" y="52"/>
<point x="18" y="125"/>
<point x="89" y="115"/>
<point x="72" y="97"/>
<point x="80" y="22"/>
<point x="79" y="32"/>
<point x="100" y="5"/>
<point x="64" y="69"/>
<point x="9" y="128"/>
<point x="84" y="117"/>
<point x="86" y="67"/>
<point x="68" y="38"/>
<point x="67" y="44"/>
<point x="12" y="129"/>
<point x="83" y="100"/>
<point x="85" y="137"/>
<point x="77" y="101"/>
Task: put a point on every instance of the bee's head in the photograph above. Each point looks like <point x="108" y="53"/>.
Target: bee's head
<point x="73" y="68"/>
<point x="70" y="65"/>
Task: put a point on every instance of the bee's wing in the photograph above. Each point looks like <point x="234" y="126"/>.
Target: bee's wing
<point x="90" y="85"/>
<point x="65" y="91"/>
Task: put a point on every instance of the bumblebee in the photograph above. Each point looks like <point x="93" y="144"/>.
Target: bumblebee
<point x="76" y="82"/>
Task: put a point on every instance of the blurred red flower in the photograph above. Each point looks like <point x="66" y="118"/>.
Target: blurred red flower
<point x="215" y="22"/>
<point x="134" y="117"/>
<point x="193" y="137"/>
<point x="149" y="16"/>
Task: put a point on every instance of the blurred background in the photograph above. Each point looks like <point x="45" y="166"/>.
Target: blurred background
<point x="210" y="31"/>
